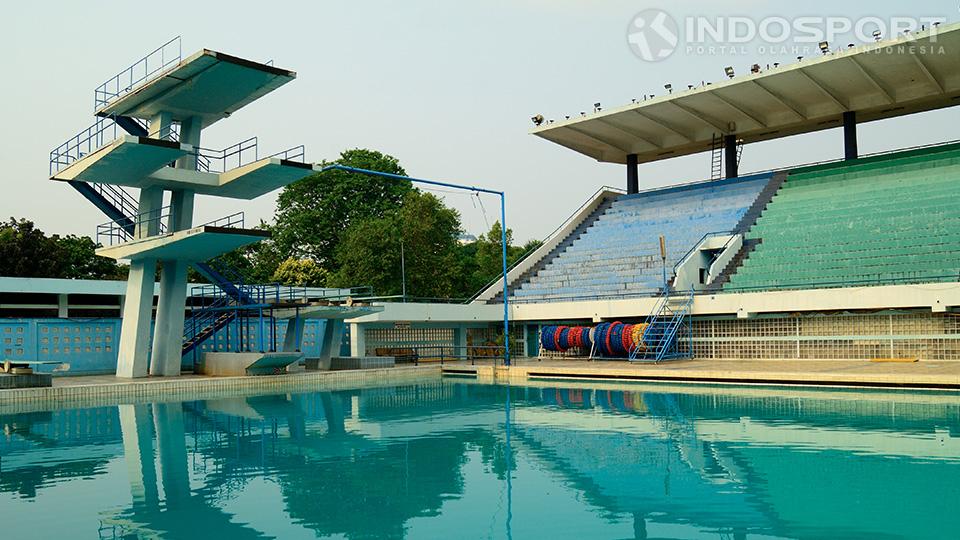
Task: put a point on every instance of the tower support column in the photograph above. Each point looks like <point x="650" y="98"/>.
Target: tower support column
<point x="137" y="313"/>
<point x="168" y="333"/>
<point x="134" y="348"/>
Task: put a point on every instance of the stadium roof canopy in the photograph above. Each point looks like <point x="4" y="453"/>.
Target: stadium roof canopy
<point x="914" y="73"/>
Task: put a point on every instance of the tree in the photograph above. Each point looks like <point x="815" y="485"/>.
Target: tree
<point x="300" y="273"/>
<point x="423" y="230"/>
<point x="25" y="251"/>
<point x="79" y="260"/>
<point x="314" y="213"/>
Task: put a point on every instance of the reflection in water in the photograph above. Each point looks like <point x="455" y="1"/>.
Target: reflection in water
<point x="451" y="459"/>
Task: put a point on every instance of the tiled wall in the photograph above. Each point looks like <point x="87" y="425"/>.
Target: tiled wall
<point x="89" y="346"/>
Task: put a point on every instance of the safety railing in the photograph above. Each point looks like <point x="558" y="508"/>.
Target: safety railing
<point x="118" y="232"/>
<point x="700" y="242"/>
<point x="231" y="157"/>
<point x="148" y="68"/>
<point x="118" y="197"/>
<point x="114" y="232"/>
<point x="104" y="130"/>
<point x="860" y="280"/>
<point x="415" y="354"/>
<point x="233" y="221"/>
<point x="297" y="153"/>
<point x="86" y="142"/>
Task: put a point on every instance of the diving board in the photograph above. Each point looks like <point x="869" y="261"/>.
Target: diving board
<point x="208" y="85"/>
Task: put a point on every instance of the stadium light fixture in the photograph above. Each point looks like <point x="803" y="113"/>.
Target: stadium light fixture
<point x="729" y="71"/>
<point x="596" y="107"/>
<point x="537" y="120"/>
<point x="824" y="47"/>
<point x="755" y="68"/>
<point x="877" y="35"/>
<point x="669" y="88"/>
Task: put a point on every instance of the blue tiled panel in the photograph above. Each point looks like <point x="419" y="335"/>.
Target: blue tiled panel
<point x="90" y="346"/>
<point x="620" y="253"/>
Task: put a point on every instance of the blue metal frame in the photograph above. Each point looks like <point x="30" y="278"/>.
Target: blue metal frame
<point x="503" y="231"/>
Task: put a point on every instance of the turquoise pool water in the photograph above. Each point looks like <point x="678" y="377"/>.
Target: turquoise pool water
<point x="456" y="459"/>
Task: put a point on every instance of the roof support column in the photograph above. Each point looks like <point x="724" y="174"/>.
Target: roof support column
<point x="730" y="158"/>
<point x="633" y="175"/>
<point x="850" y="149"/>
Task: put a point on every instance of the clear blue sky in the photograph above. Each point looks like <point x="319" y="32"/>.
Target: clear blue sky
<point x="447" y="87"/>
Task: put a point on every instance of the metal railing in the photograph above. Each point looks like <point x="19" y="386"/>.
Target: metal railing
<point x="233" y="221"/>
<point x="148" y="68"/>
<point x="860" y="280"/>
<point x="700" y="242"/>
<point x="86" y="142"/>
<point x="104" y="131"/>
<point x="243" y="153"/>
<point x="297" y="153"/>
<point x="119" y="232"/>
<point x="231" y="157"/>
<point x="115" y="232"/>
<point x="414" y="354"/>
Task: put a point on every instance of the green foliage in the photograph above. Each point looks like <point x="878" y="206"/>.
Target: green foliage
<point x="424" y="231"/>
<point x="26" y="251"/>
<point x="314" y="214"/>
<point x="487" y="257"/>
<point x="300" y="273"/>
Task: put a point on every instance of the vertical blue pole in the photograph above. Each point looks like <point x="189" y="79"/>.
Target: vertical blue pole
<point x="506" y="312"/>
<point x="260" y="336"/>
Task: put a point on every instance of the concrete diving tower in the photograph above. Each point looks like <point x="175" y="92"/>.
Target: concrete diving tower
<point x="148" y="136"/>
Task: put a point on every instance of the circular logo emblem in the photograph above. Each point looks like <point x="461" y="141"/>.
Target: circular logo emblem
<point x="653" y="35"/>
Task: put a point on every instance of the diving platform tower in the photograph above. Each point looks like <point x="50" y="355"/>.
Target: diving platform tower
<point x="147" y="136"/>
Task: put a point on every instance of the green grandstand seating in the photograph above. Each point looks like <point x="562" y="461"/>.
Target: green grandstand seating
<point x="882" y="220"/>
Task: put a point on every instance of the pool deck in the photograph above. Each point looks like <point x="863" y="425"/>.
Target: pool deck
<point x="850" y="373"/>
<point x="96" y="390"/>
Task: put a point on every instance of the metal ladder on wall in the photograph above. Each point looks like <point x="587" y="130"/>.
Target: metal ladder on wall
<point x="716" y="156"/>
<point x="669" y="320"/>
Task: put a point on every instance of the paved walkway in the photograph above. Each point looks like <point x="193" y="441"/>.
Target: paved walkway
<point x="923" y="374"/>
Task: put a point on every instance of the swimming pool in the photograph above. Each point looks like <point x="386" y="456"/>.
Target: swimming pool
<point x="458" y="459"/>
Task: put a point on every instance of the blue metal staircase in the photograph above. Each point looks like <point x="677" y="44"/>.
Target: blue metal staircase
<point x="669" y="320"/>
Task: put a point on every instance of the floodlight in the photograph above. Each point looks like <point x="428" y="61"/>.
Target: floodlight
<point x="755" y="68"/>
<point x="824" y="47"/>
<point x="596" y="107"/>
<point x="729" y="71"/>
<point x="877" y="34"/>
<point x="669" y="88"/>
<point x="537" y="120"/>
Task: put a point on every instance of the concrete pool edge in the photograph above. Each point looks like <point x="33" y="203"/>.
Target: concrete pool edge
<point x="98" y="391"/>
<point x="942" y="376"/>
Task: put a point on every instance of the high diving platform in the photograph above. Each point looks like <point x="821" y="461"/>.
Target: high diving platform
<point x="207" y="85"/>
<point x="141" y="162"/>
<point x="148" y="124"/>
